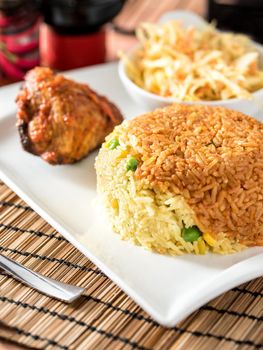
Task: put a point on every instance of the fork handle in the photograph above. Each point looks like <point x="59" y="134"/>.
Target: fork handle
<point x="45" y="285"/>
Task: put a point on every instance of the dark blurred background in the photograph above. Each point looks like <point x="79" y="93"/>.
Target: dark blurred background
<point x="66" y="34"/>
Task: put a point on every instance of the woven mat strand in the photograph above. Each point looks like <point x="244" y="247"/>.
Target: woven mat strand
<point x="104" y="318"/>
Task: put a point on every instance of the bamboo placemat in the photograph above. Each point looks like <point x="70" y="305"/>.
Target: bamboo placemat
<point x="104" y="318"/>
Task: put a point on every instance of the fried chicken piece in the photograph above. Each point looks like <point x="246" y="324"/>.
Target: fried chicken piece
<point x="62" y="120"/>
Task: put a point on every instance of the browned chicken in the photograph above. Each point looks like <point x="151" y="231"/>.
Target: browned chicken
<point x="62" y="120"/>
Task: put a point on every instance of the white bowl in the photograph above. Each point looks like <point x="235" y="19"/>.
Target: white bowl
<point x="150" y="101"/>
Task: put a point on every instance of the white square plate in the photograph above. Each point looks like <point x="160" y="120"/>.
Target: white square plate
<point x="168" y="288"/>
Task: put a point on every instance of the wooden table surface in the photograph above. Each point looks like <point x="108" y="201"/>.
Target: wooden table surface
<point x="133" y="13"/>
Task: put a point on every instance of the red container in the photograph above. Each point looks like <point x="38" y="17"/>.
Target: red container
<point x="73" y="33"/>
<point x="19" y="24"/>
<point x="68" y="51"/>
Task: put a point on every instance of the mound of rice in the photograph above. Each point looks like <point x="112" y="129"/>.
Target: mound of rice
<point x="194" y="166"/>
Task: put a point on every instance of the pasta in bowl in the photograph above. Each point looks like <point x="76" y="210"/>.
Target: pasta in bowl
<point x="178" y="63"/>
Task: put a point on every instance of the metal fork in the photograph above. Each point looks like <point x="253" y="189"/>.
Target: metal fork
<point x="45" y="285"/>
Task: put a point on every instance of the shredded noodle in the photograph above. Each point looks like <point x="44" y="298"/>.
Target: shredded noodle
<point x="193" y="64"/>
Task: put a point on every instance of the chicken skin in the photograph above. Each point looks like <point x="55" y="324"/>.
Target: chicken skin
<point x="62" y="120"/>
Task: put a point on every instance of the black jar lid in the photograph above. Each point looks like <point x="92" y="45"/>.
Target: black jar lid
<point x="79" y="16"/>
<point x="11" y="7"/>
